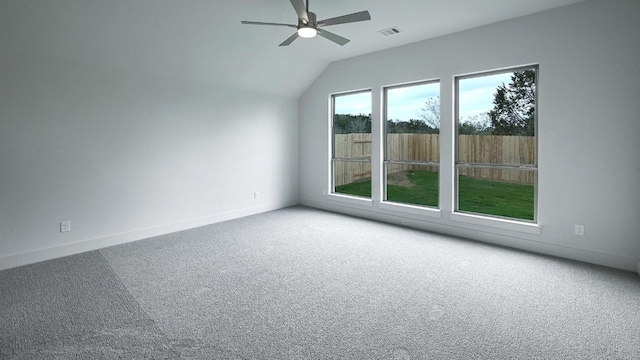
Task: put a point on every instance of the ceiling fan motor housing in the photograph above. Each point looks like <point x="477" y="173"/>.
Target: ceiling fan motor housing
<point x="308" y="24"/>
<point x="311" y="23"/>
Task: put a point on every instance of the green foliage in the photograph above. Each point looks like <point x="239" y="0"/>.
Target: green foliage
<point x="514" y="105"/>
<point x="481" y="196"/>
<point x="475" y="125"/>
<point x="349" y="124"/>
<point x="412" y="126"/>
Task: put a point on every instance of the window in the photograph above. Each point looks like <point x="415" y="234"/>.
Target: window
<point x="496" y="149"/>
<point x="411" y="149"/>
<point x="351" y="144"/>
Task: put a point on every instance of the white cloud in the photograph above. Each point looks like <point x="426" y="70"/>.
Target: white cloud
<point x="476" y="93"/>
<point x="406" y="102"/>
<point x="354" y="104"/>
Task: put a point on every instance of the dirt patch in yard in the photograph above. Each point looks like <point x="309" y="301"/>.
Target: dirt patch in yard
<point x="399" y="179"/>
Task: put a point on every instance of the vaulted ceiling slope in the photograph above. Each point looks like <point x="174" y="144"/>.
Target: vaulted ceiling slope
<point x="204" y="41"/>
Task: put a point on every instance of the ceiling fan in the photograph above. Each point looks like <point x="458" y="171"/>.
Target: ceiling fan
<point x="309" y="27"/>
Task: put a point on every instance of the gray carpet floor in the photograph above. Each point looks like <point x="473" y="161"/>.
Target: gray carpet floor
<point x="300" y="283"/>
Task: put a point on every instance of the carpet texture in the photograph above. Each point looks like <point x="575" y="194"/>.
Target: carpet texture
<point x="74" y="307"/>
<point x="300" y="283"/>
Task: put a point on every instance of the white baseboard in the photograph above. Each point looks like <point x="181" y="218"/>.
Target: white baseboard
<point x="117" y="239"/>
<point x="541" y="247"/>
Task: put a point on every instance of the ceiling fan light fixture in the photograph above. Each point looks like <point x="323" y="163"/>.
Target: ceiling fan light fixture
<point x="308" y="25"/>
<point x="307" y="32"/>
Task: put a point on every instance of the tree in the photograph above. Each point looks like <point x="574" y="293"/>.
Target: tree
<point x="430" y="113"/>
<point x="413" y="126"/>
<point x="347" y="123"/>
<point x="514" y="105"/>
<point x="475" y="125"/>
<point x="357" y="125"/>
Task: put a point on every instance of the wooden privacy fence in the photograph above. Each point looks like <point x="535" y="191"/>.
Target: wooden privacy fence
<point x="352" y="146"/>
<point x="500" y="150"/>
<point x="487" y="149"/>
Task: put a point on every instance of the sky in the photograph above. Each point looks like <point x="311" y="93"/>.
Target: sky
<point x="406" y="102"/>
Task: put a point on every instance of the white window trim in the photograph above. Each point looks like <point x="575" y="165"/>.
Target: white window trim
<point x="488" y="219"/>
<point x="430" y="211"/>
<point x="498" y="223"/>
<point x="350" y="199"/>
<point x="345" y="198"/>
<point x="410" y="209"/>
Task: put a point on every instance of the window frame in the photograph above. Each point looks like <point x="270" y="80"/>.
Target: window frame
<point x="332" y="155"/>
<point x="384" y="201"/>
<point x="480" y="218"/>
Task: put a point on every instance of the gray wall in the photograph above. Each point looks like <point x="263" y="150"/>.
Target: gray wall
<point x="125" y="156"/>
<point x="589" y="124"/>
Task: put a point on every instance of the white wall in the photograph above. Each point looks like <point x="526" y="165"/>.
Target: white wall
<point x="125" y="156"/>
<point x="589" y="125"/>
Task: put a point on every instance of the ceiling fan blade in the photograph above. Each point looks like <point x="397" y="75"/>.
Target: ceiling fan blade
<point x="359" y="16"/>
<point x="333" y="37"/>
<point x="266" y="23"/>
<point x="301" y="9"/>
<point x="290" y="39"/>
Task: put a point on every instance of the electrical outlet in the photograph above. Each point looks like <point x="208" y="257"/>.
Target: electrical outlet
<point x="579" y="230"/>
<point x="256" y="195"/>
<point x="325" y="192"/>
<point x="65" y="226"/>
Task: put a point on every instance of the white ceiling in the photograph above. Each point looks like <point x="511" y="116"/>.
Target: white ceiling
<point x="203" y="40"/>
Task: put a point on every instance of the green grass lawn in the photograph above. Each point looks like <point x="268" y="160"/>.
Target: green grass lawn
<point x="489" y="197"/>
<point x="357" y="188"/>
<point x="423" y="192"/>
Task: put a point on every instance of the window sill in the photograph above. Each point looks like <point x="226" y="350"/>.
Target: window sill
<point x="351" y="200"/>
<point x="410" y="209"/>
<point x="504" y="224"/>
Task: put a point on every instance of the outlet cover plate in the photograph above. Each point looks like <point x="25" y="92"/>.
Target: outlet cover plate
<point x="65" y="226"/>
